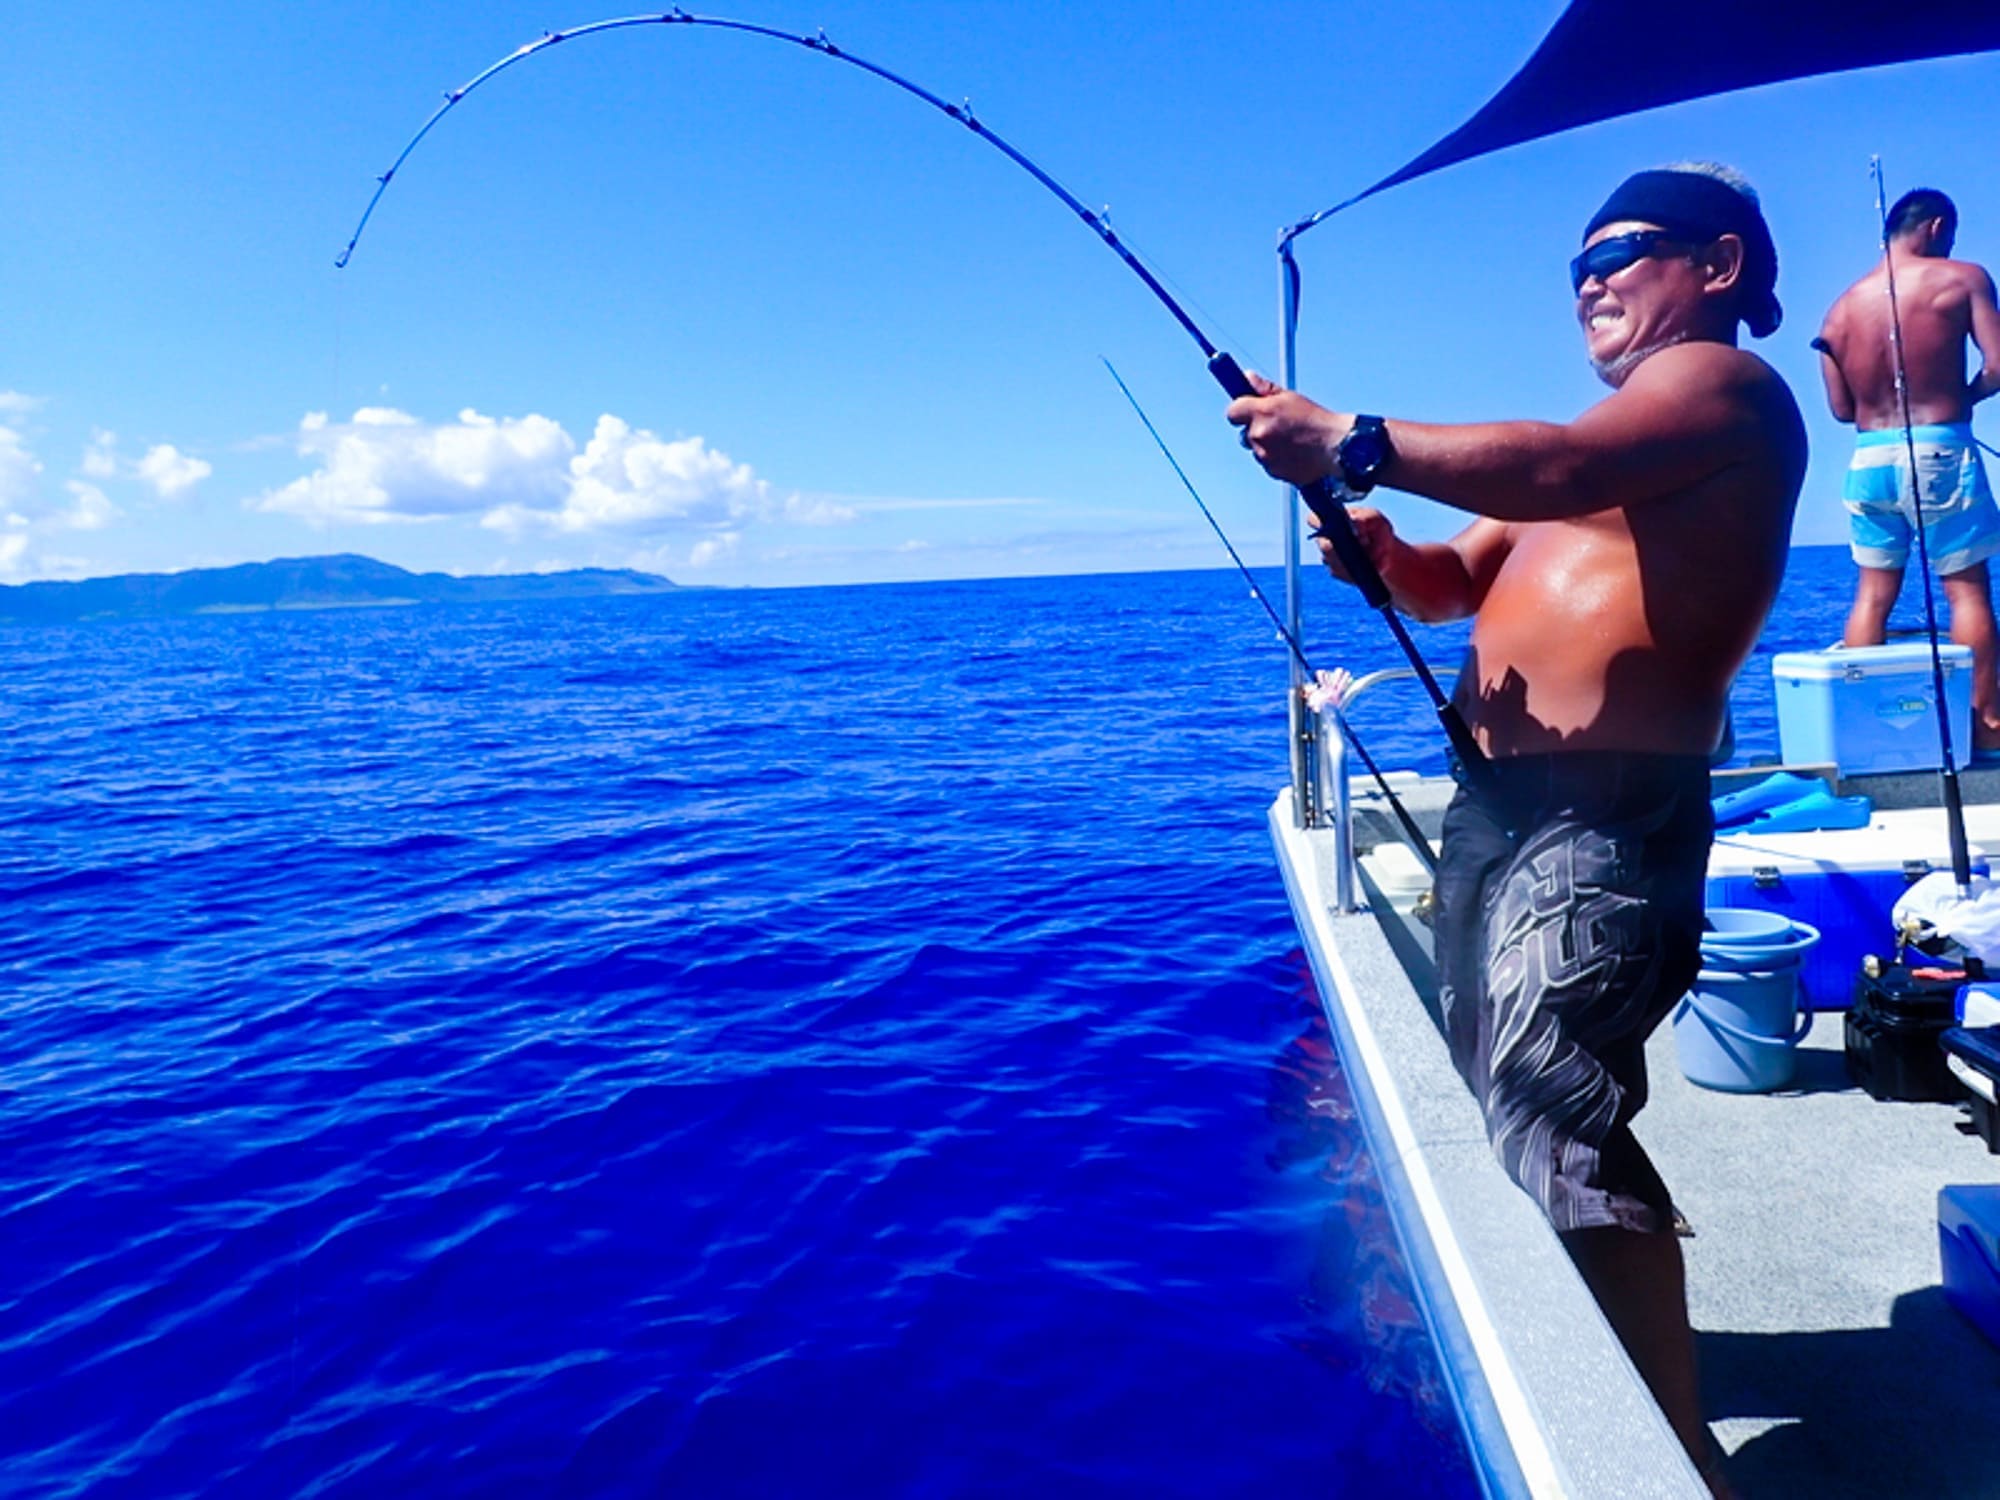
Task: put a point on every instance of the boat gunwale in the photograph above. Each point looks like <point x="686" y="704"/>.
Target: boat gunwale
<point x="1511" y="1409"/>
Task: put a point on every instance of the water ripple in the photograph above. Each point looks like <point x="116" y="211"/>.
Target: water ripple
<point x="735" y="1043"/>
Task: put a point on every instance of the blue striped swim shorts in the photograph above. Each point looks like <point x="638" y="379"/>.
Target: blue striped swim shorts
<point x="1961" y="525"/>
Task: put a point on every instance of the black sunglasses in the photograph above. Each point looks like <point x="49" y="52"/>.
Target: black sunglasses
<point x="1607" y="258"/>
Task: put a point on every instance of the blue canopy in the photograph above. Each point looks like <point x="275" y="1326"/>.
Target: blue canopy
<point x="1606" y="58"/>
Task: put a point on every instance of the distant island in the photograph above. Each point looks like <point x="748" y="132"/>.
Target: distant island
<point x="345" y="581"/>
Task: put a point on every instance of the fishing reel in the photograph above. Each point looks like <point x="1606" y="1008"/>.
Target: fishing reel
<point x="1919" y="944"/>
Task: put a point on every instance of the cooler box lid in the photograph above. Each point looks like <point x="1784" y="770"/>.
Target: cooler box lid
<point x="1846" y="663"/>
<point x="1891" y="840"/>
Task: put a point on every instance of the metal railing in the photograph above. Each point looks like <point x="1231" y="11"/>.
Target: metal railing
<point x="1336" y="807"/>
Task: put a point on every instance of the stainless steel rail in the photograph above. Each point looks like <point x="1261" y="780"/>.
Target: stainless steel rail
<point x="1336" y="796"/>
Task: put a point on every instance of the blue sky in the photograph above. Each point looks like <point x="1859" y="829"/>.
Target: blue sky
<point x="722" y="309"/>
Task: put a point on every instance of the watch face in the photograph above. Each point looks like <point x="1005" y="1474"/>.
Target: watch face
<point x="1364" y="450"/>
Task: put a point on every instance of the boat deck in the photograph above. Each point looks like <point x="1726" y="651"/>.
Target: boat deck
<point x="1832" y="1365"/>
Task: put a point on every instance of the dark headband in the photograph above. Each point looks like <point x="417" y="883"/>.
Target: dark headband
<point x="1703" y="208"/>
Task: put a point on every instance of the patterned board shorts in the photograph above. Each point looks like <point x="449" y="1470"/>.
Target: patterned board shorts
<point x="1961" y="525"/>
<point x="1561" y="946"/>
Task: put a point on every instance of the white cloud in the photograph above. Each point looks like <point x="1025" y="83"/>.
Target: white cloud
<point x="28" y="521"/>
<point x="21" y="561"/>
<point x="25" y="515"/>
<point x="100" y="457"/>
<point x="528" y="476"/>
<point x="385" y="465"/>
<point x="872" y="504"/>
<point x="817" y="510"/>
<point x="90" y="512"/>
<point x="711" y="550"/>
<point x="20" y="470"/>
<point x="630" y="480"/>
<point x="171" y="472"/>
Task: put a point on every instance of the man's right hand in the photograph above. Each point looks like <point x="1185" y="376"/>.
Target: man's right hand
<point x="1296" y="440"/>
<point x="1377" y="536"/>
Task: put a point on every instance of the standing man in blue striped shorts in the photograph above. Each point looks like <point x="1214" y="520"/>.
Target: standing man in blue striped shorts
<point x="1942" y="303"/>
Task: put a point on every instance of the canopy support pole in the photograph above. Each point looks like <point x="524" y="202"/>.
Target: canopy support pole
<point x="1304" y="727"/>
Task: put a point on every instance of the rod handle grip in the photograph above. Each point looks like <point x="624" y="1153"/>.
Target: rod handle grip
<point x="1329" y="503"/>
<point x="1229" y="374"/>
<point x="1335" y="527"/>
<point x="1954" y="809"/>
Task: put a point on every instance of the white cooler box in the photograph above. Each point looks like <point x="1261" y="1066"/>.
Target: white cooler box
<point x="1871" y="708"/>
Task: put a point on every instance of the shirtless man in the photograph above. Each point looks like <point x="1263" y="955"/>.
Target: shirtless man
<point x="1618" y="575"/>
<point x="1941" y="303"/>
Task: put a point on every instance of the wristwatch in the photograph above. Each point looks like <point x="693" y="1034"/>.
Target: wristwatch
<point x="1364" y="453"/>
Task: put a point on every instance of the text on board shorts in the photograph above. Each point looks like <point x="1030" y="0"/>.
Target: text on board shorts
<point x="1569" y="918"/>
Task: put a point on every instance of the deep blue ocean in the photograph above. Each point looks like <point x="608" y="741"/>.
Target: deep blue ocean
<point x="838" y="1041"/>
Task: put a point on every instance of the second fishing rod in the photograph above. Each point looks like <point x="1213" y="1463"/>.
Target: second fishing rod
<point x="1419" y="844"/>
<point x="1954" y="804"/>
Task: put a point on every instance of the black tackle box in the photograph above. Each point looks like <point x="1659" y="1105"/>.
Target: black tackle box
<point x="1893" y="1031"/>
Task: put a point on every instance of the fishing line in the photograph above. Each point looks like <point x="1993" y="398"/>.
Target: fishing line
<point x="339" y="323"/>
<point x="1954" y="807"/>
<point x="1208" y="317"/>
<point x="1419" y="843"/>
<point x="1256" y="592"/>
<point x="1327" y="500"/>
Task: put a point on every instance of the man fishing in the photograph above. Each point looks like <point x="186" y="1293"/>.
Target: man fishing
<point x="1618" y="574"/>
<point x="1940" y="304"/>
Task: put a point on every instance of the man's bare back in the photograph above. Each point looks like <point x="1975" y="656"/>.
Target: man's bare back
<point x="1942" y="303"/>
<point x="1939" y="305"/>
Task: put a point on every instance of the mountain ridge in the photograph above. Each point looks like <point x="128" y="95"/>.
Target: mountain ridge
<point x="343" y="580"/>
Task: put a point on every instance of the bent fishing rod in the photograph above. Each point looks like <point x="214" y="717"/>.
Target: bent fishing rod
<point x="1419" y="844"/>
<point x="1328" y="503"/>
<point x="1954" y="805"/>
